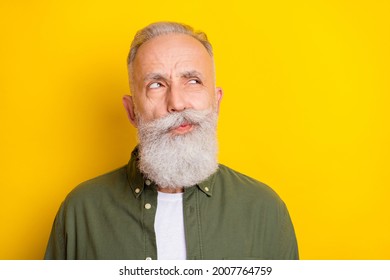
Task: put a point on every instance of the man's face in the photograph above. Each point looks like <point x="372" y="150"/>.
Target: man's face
<point x="174" y="106"/>
<point x="172" y="73"/>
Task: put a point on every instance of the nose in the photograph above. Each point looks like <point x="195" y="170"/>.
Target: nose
<point x="176" y="99"/>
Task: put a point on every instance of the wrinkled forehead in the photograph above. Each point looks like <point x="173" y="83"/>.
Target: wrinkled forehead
<point x="173" y="50"/>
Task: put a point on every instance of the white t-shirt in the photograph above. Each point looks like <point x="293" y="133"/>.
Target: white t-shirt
<point x="169" y="227"/>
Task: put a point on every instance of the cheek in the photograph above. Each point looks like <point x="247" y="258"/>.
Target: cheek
<point x="204" y="101"/>
<point x="141" y="111"/>
<point x="149" y="112"/>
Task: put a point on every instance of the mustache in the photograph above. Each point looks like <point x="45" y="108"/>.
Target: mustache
<point x="175" y="119"/>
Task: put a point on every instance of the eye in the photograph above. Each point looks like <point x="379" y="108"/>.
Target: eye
<point x="154" y="85"/>
<point x="194" y="81"/>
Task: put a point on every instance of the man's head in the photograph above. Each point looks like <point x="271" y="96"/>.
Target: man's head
<point x="163" y="28"/>
<point x="174" y="103"/>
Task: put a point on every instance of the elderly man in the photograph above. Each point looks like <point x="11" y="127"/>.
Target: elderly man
<point x="172" y="200"/>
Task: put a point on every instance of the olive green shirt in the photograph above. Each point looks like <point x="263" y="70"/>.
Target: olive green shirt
<point x="227" y="216"/>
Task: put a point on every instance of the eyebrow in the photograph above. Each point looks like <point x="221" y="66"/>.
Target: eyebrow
<point x="154" y="76"/>
<point x="191" y="74"/>
<point x="185" y="74"/>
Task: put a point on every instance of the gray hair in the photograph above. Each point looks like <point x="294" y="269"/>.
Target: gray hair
<point x="162" y="28"/>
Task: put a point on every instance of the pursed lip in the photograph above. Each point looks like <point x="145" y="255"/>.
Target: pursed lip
<point x="183" y="128"/>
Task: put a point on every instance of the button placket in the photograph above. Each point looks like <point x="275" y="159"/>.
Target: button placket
<point x="149" y="205"/>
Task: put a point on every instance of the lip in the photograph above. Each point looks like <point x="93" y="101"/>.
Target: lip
<point x="183" y="128"/>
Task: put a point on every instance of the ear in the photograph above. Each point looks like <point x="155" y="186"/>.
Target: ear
<point x="219" y="94"/>
<point x="128" y="103"/>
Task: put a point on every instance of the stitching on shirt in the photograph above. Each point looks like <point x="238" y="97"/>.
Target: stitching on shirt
<point x="143" y="225"/>
<point x="199" y="226"/>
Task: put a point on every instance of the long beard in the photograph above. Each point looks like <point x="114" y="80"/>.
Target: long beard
<point x="179" y="160"/>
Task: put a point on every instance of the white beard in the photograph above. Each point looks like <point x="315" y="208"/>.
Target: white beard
<point x="178" y="160"/>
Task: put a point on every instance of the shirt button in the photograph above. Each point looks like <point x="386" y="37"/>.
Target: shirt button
<point x="148" y="259"/>
<point x="206" y="189"/>
<point x="148" y="206"/>
<point x="137" y="190"/>
<point x="148" y="182"/>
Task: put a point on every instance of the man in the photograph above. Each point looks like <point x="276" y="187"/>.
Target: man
<point x="172" y="200"/>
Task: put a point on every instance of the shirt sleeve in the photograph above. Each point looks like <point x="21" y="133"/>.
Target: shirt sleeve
<point x="56" y="247"/>
<point x="288" y="247"/>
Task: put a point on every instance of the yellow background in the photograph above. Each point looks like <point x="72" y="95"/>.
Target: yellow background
<point x="305" y="110"/>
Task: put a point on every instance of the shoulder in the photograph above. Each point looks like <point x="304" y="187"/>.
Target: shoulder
<point x="242" y="182"/>
<point x="99" y="188"/>
<point x="245" y="187"/>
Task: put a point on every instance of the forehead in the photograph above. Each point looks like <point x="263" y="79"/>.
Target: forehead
<point x="170" y="52"/>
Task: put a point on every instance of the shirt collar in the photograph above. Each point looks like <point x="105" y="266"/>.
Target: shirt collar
<point x="138" y="182"/>
<point x="207" y="185"/>
<point x="134" y="176"/>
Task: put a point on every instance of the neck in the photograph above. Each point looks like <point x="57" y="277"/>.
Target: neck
<point x="171" y="190"/>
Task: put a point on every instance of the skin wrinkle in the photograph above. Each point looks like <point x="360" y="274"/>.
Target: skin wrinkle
<point x="186" y="75"/>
